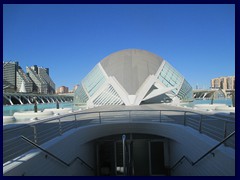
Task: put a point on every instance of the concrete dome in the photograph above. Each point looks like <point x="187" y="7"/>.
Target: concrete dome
<point x="131" y="67"/>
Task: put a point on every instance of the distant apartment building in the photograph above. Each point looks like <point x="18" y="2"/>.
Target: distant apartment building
<point x="44" y="73"/>
<point x="226" y="83"/>
<point x="39" y="85"/>
<point x="36" y="80"/>
<point x="62" y="89"/>
<point x="9" y="76"/>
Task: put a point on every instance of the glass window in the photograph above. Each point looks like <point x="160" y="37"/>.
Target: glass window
<point x="80" y="96"/>
<point x="94" y="80"/>
<point x="170" y="77"/>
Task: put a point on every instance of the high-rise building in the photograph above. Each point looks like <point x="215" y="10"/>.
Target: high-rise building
<point x="36" y="80"/>
<point x="39" y="86"/>
<point x="9" y="76"/>
<point x="44" y="73"/>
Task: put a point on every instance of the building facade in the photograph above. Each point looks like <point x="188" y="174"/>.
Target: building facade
<point x="62" y="89"/>
<point x="44" y="74"/>
<point x="9" y="76"/>
<point x="39" y="85"/>
<point x="132" y="77"/>
<point x="36" y="80"/>
<point x="225" y="83"/>
<point x="23" y="78"/>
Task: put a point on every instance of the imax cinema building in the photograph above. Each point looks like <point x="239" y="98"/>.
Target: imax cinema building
<point x="132" y="77"/>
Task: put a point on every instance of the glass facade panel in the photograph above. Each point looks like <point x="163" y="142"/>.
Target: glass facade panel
<point x="108" y="97"/>
<point x="170" y="77"/>
<point x="93" y="81"/>
<point x="185" y="92"/>
<point x="80" y="97"/>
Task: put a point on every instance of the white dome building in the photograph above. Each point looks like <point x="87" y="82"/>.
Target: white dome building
<point x="132" y="77"/>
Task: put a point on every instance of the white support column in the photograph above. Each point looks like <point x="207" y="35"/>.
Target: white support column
<point x="41" y="99"/>
<point x="142" y="91"/>
<point x="205" y="95"/>
<point x="47" y="99"/>
<point x="19" y="99"/>
<point x="10" y="100"/>
<point x="27" y="98"/>
<point x="52" y="99"/>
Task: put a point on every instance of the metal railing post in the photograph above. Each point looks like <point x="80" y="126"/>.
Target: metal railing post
<point x="200" y="124"/>
<point x="75" y="120"/>
<point x="34" y="134"/>
<point x="130" y="118"/>
<point x="184" y="120"/>
<point x="225" y="129"/>
<point x="60" y="126"/>
<point x="99" y="116"/>
<point x="160" y="118"/>
<point x="124" y="155"/>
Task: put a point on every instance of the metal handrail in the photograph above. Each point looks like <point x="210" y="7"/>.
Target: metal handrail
<point x="204" y="155"/>
<point x="55" y="157"/>
<point x="103" y="116"/>
<point x="96" y="112"/>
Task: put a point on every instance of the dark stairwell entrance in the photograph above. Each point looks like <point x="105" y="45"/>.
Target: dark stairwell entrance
<point x="144" y="155"/>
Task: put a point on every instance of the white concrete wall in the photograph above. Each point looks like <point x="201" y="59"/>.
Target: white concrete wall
<point x="221" y="164"/>
<point x="184" y="141"/>
<point x="36" y="164"/>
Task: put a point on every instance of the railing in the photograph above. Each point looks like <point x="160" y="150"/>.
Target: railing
<point x="44" y="130"/>
<point x="57" y="158"/>
<point x="204" y="155"/>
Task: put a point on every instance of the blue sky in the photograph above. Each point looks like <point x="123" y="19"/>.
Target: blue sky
<point x="198" y="40"/>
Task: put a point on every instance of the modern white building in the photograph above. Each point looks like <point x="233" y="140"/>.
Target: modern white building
<point x="132" y="77"/>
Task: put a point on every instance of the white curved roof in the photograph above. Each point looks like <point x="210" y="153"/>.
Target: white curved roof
<point x="131" y="67"/>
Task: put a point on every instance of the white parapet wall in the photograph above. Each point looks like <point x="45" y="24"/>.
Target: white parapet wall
<point x="59" y="111"/>
<point x="8" y="119"/>
<point x="27" y="115"/>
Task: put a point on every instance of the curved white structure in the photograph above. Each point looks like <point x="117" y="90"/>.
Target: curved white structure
<point x="132" y="77"/>
<point x="27" y="115"/>
<point x="8" y="119"/>
<point x="214" y="107"/>
<point x="59" y="111"/>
